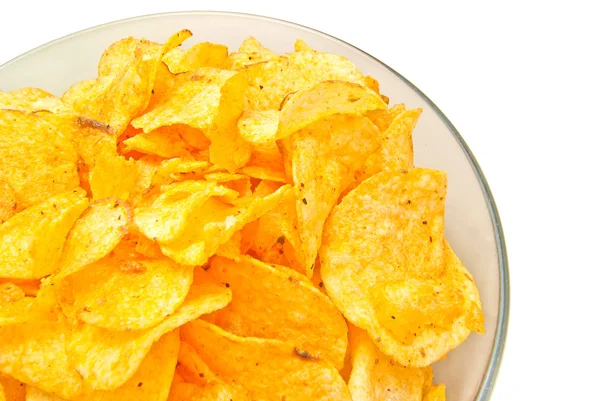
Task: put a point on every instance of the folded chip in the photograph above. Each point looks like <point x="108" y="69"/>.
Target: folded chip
<point x="268" y="369"/>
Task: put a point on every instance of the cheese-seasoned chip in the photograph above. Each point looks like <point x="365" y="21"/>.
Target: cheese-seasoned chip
<point x="325" y="99"/>
<point x="268" y="369"/>
<point x="97" y="232"/>
<point x="376" y="376"/>
<point x="107" y="359"/>
<point x="325" y="156"/>
<point x="211" y="100"/>
<point x="150" y="382"/>
<point x="200" y="55"/>
<point x="271" y="81"/>
<point x="279" y="303"/>
<point x="36" y="160"/>
<point x="127" y="293"/>
<point x="31" y="241"/>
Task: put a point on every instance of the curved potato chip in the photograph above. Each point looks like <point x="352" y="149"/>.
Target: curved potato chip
<point x="435" y="393"/>
<point x="116" y="57"/>
<point x="214" y="223"/>
<point x="371" y="293"/>
<point x="117" y="98"/>
<point x="200" y="55"/>
<point x="14" y="390"/>
<point x="107" y="359"/>
<point x="36" y="160"/>
<point x="31" y="241"/>
<point x="372" y="83"/>
<point x="325" y="156"/>
<point x="31" y="100"/>
<point x="163" y="142"/>
<point x="382" y="118"/>
<point x="113" y="176"/>
<point x="271" y="81"/>
<point x="24" y="345"/>
<point x="268" y="369"/>
<point x="302" y="46"/>
<point x="150" y="382"/>
<point x="129" y="294"/>
<point x="16" y="308"/>
<point x="251" y="51"/>
<point x="325" y="99"/>
<point x="376" y="376"/>
<point x="278" y="303"/>
<point x="211" y="100"/>
<point x="8" y="202"/>
<point x="259" y="126"/>
<point x="396" y="151"/>
<point x="97" y="232"/>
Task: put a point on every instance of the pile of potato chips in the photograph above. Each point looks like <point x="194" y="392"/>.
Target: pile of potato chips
<point x="199" y="225"/>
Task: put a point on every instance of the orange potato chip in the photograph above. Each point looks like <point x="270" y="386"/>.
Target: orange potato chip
<point x="117" y="98"/>
<point x="163" y="142"/>
<point x="372" y="83"/>
<point x="107" y="359"/>
<point x="8" y="202"/>
<point x="268" y="369"/>
<point x="36" y="161"/>
<point x="24" y="345"/>
<point x="278" y="303"/>
<point x="97" y="232"/>
<point x="376" y="376"/>
<point x="210" y="224"/>
<point x="396" y="151"/>
<point x="31" y="241"/>
<point x="211" y="100"/>
<point x="129" y="294"/>
<point x="150" y="382"/>
<point x="113" y="176"/>
<point x="271" y="81"/>
<point x="325" y="99"/>
<point x="31" y="100"/>
<point x="14" y="390"/>
<point x="200" y="55"/>
<point x="435" y="393"/>
<point x="374" y="293"/>
<point x="325" y="156"/>
<point x="382" y="118"/>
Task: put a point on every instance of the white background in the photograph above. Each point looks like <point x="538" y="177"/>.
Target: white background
<point x="520" y="82"/>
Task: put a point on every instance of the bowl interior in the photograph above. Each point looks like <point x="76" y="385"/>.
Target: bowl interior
<point x="472" y="224"/>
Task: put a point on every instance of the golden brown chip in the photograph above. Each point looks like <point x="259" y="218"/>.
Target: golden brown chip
<point x="36" y="161"/>
<point x="31" y="241"/>
<point x="107" y="359"/>
<point x="382" y="118"/>
<point x="376" y="376"/>
<point x="200" y="55"/>
<point x="325" y="156"/>
<point x="31" y="100"/>
<point x="163" y="142"/>
<point x="279" y="303"/>
<point x="268" y="369"/>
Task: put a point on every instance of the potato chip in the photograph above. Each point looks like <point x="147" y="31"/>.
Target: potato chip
<point x="268" y="369"/>
<point x="14" y="390"/>
<point x="200" y="55"/>
<point x="382" y="118"/>
<point x="29" y="287"/>
<point x="8" y="202"/>
<point x="372" y="83"/>
<point x="376" y="376"/>
<point x="435" y="393"/>
<point x="396" y="151"/>
<point x="271" y="81"/>
<point x="325" y="99"/>
<point x="31" y="241"/>
<point x="374" y="293"/>
<point x="325" y="156"/>
<point x="36" y="161"/>
<point x="163" y="142"/>
<point x="31" y="100"/>
<point x="117" y="98"/>
<point x="16" y="308"/>
<point x="116" y="57"/>
<point x="266" y="163"/>
<point x="278" y="303"/>
<point x="107" y="359"/>
<point x="210" y="224"/>
<point x="259" y="126"/>
<point x="97" y="232"/>
<point x="251" y="51"/>
<point x="192" y="137"/>
<point x="211" y="100"/>
<point x="302" y="46"/>
<point x="129" y="294"/>
<point x="24" y="345"/>
<point x="151" y="381"/>
<point x="113" y="177"/>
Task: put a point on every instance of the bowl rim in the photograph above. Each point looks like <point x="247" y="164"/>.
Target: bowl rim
<point x="489" y="378"/>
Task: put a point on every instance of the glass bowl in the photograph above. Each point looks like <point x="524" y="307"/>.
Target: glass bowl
<point x="472" y="221"/>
